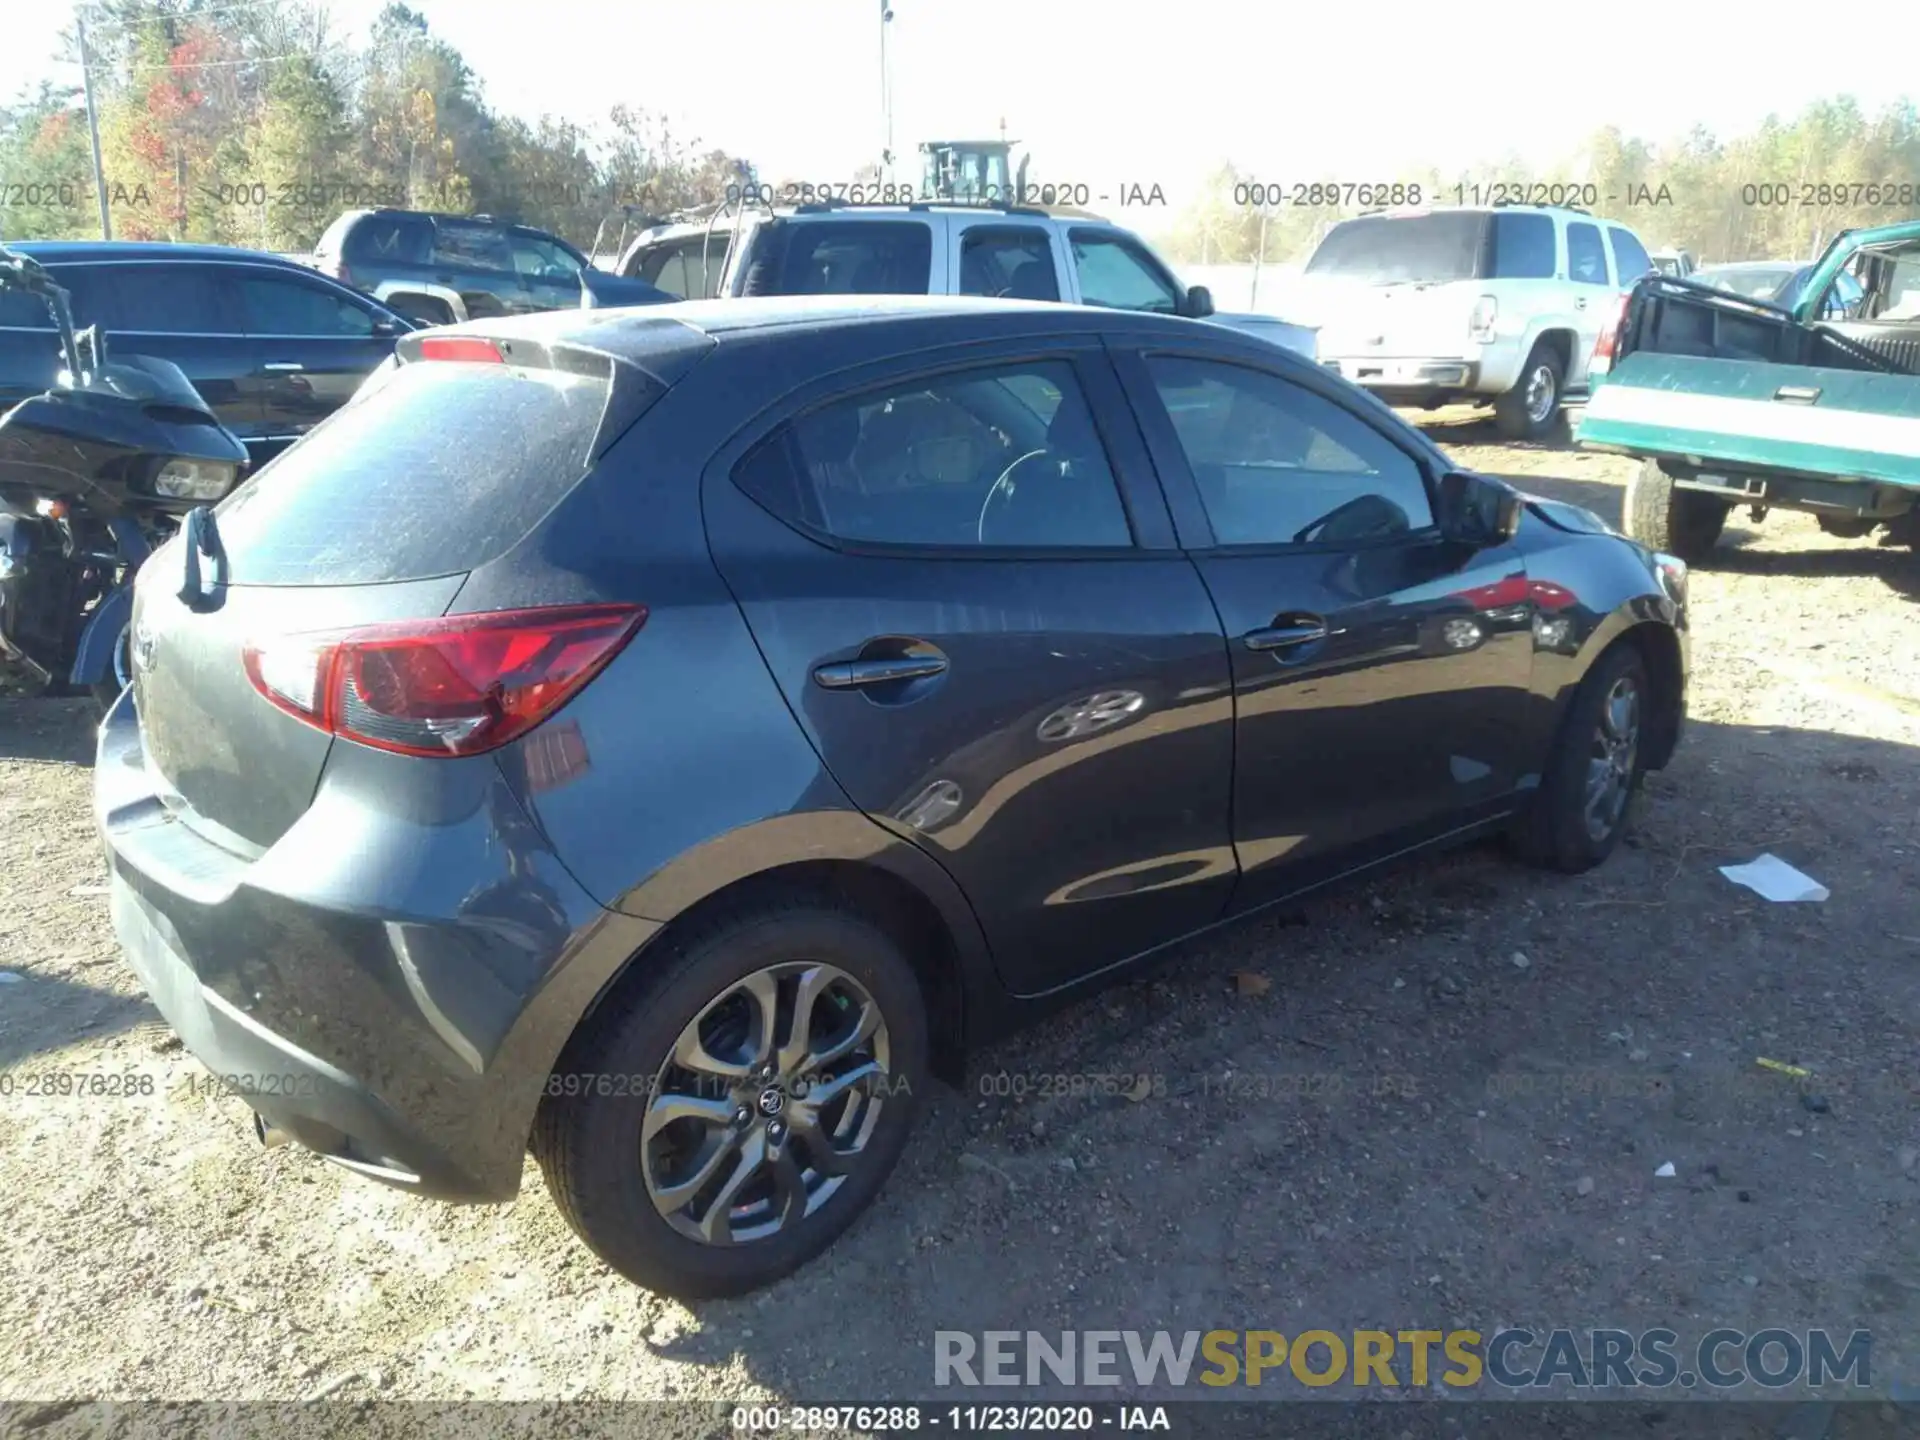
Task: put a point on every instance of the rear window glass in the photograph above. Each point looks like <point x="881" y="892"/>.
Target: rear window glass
<point x="1412" y="249"/>
<point x="439" y="468"/>
<point x="21" y="311"/>
<point x="391" y="240"/>
<point x="874" y="257"/>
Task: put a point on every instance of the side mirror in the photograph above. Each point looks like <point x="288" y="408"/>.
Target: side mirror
<point x="387" y="326"/>
<point x="1477" y="511"/>
<point x="1199" y="302"/>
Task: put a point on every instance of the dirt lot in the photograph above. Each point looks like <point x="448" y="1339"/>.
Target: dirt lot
<point x="1447" y="1109"/>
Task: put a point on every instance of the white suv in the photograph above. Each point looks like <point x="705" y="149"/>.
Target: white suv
<point x="1436" y="307"/>
<point x="1013" y="251"/>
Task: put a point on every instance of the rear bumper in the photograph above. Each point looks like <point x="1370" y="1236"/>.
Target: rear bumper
<point x="1409" y="381"/>
<point x="388" y="984"/>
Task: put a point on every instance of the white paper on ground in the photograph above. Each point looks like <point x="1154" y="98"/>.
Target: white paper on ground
<point x="1775" y="879"/>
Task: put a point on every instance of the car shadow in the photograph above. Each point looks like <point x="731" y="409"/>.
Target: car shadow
<point x="1895" y="566"/>
<point x="42" y="1014"/>
<point x="1449" y="426"/>
<point x="1038" y="1197"/>
<point x="53" y="730"/>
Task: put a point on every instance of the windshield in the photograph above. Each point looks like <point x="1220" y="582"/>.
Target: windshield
<point x="1760" y="282"/>
<point x="1404" y="249"/>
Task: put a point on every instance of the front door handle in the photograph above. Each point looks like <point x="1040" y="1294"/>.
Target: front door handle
<point x="284" y="366"/>
<point x="1580" y="303"/>
<point x="1285" y="637"/>
<point x="855" y="674"/>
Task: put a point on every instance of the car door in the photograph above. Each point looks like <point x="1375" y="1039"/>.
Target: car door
<point x="1590" y="282"/>
<point x="178" y="310"/>
<point x="474" y="260"/>
<point x="1380" y="671"/>
<point x="963" y="578"/>
<point x="549" y="270"/>
<point x="313" y="344"/>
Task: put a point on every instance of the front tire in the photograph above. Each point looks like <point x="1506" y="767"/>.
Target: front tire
<point x="772" y="1066"/>
<point x="1681" y="522"/>
<point x="1530" y="409"/>
<point x="1587" y="790"/>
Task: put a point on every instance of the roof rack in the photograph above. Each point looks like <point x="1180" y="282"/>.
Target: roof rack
<point x="1529" y="205"/>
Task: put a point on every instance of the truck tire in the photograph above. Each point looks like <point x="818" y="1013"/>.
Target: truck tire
<point x="1531" y="408"/>
<point x="1680" y="522"/>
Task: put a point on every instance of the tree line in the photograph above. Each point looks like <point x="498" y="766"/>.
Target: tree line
<point x="255" y="124"/>
<point x="1779" y="192"/>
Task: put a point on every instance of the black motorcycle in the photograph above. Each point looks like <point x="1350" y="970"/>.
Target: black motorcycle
<point x="94" y="475"/>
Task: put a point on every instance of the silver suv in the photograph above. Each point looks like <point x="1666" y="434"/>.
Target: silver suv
<point x="1501" y="305"/>
<point x="1012" y="252"/>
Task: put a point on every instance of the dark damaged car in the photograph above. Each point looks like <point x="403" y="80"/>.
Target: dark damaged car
<point x="663" y="739"/>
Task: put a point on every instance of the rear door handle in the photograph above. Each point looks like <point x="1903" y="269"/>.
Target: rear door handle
<point x="855" y="674"/>
<point x="284" y="366"/>
<point x="1284" y="637"/>
<point x="1580" y="303"/>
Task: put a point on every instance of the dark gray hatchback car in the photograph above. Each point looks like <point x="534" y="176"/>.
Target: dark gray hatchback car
<point x="667" y="737"/>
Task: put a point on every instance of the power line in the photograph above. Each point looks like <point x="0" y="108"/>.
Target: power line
<point x="188" y="15"/>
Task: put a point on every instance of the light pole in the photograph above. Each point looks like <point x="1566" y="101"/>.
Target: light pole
<point x="93" y="128"/>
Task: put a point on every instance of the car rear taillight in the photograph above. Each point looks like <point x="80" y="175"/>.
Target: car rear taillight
<point x="1607" y="347"/>
<point x="460" y="685"/>
<point x="461" y="347"/>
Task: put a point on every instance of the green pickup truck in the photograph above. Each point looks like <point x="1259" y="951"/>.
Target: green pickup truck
<point x="1729" y="401"/>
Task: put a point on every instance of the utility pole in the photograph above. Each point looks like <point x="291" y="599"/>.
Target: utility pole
<point x="886" y="95"/>
<point x="93" y="128"/>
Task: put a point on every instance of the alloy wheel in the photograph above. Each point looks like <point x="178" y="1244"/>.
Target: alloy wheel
<point x="1612" y="758"/>
<point x="766" y="1104"/>
<point x="1540" y="394"/>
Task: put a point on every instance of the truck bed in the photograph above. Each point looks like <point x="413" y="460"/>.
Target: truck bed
<point x="1711" y="382"/>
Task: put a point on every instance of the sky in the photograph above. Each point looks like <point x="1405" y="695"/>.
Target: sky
<point x="1114" y="94"/>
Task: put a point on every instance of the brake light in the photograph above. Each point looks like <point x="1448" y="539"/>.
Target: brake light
<point x="461" y="685"/>
<point x="1607" y="347"/>
<point x="461" y="347"/>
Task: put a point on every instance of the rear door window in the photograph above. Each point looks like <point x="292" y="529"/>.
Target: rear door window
<point x="1001" y="456"/>
<point x="438" y="468"/>
<point x="1014" y="262"/>
<point x="1115" y="273"/>
<point x="867" y="257"/>
<point x="166" y="298"/>
<point x="1523" y="248"/>
<point x="1586" y="256"/>
<point x="467" y="246"/>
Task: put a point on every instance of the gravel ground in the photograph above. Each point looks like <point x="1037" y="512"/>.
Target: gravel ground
<point x="1436" y="1099"/>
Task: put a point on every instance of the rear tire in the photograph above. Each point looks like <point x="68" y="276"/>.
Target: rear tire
<point x="1680" y="522"/>
<point x="620" y="1184"/>
<point x="1593" y="773"/>
<point x="1532" y="407"/>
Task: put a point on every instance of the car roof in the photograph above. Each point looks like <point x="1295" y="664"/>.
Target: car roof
<point x="637" y="332"/>
<point x="53" y="252"/>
